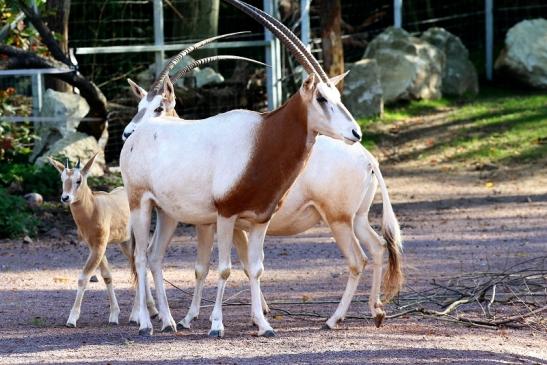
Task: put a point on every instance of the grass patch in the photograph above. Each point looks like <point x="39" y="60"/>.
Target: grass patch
<point x="496" y="127"/>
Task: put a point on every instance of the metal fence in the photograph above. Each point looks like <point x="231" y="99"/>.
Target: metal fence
<point x="116" y="39"/>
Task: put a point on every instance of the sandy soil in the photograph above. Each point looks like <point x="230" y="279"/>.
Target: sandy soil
<point x="452" y="223"/>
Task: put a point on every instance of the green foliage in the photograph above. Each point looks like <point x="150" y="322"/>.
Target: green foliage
<point x="498" y="126"/>
<point x="106" y="182"/>
<point x="22" y="36"/>
<point x="16" y="219"/>
<point x="16" y="141"/>
<point x="26" y="178"/>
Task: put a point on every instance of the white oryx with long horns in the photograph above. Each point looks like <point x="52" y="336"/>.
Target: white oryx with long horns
<point x="336" y="186"/>
<point x="232" y="169"/>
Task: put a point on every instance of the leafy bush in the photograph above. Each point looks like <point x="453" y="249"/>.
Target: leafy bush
<point x="27" y="178"/>
<point x="16" y="219"/>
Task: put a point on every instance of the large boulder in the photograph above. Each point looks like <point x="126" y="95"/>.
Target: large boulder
<point x="525" y="53"/>
<point x="362" y="89"/>
<point x="76" y="145"/>
<point x="459" y="75"/>
<point x="68" y="109"/>
<point x="410" y="68"/>
<point x="200" y="75"/>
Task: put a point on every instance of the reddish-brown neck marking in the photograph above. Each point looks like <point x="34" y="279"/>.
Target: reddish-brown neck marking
<point x="278" y="156"/>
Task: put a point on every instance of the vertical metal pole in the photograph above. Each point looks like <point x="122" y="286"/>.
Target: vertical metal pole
<point x="278" y="86"/>
<point x="489" y="23"/>
<point x="305" y="27"/>
<point x="271" y="60"/>
<point x="37" y="83"/>
<point x="158" y="35"/>
<point x="398" y="13"/>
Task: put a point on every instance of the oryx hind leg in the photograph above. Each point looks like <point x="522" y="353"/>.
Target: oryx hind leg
<point x="342" y="230"/>
<point x="205" y="236"/>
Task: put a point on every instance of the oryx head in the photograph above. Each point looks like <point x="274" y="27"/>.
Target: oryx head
<point x="161" y="96"/>
<point x="326" y="113"/>
<point x="73" y="179"/>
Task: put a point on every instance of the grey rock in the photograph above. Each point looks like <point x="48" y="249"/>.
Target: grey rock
<point x="459" y="75"/>
<point x="77" y="145"/>
<point x="34" y="199"/>
<point x="410" y="68"/>
<point x="362" y="93"/>
<point x="525" y="53"/>
<point x="69" y="108"/>
<point x="27" y="240"/>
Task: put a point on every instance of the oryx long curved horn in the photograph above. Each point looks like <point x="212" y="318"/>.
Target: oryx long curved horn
<point x="78" y="164"/>
<point x="158" y="84"/>
<point x="291" y="41"/>
<point x="206" y="60"/>
<point x="66" y="164"/>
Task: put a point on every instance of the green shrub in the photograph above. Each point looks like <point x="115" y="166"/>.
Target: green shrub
<point x="16" y="219"/>
<point x="27" y="178"/>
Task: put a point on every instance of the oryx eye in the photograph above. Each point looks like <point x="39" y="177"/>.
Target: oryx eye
<point x="79" y="182"/>
<point x="158" y="110"/>
<point x="320" y="99"/>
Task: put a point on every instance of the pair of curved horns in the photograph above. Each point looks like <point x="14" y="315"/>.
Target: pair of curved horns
<point x="205" y="60"/>
<point x="291" y="41"/>
<point x="158" y="84"/>
<point x="77" y="165"/>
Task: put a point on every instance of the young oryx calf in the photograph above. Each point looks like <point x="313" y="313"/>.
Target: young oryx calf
<point x="102" y="218"/>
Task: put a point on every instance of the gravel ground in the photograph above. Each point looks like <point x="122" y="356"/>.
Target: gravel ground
<point x="452" y="223"/>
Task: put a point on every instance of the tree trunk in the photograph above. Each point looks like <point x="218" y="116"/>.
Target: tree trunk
<point x="56" y="17"/>
<point x="200" y="22"/>
<point x="331" y="35"/>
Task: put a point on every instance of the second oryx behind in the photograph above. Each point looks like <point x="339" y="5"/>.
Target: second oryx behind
<point x="231" y="170"/>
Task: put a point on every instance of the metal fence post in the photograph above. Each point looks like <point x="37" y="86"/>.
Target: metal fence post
<point x="397" y="13"/>
<point x="273" y="59"/>
<point x="37" y="83"/>
<point x="489" y="47"/>
<point x="305" y="27"/>
<point x="158" y="35"/>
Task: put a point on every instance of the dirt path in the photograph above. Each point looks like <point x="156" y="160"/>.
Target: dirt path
<point x="451" y="222"/>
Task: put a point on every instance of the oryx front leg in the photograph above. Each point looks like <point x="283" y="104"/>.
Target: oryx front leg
<point x="241" y="244"/>
<point x="225" y="232"/>
<point x="165" y="228"/>
<point x="107" y="277"/>
<point x="255" y="270"/>
<point x="140" y="223"/>
<point x="205" y="235"/>
<point x="95" y="255"/>
<point x="376" y="247"/>
<point x="356" y="260"/>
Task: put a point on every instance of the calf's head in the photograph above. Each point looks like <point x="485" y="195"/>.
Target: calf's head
<point x="73" y="179"/>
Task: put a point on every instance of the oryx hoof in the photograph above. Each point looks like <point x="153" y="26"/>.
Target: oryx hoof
<point x="379" y="319"/>
<point x="268" y="333"/>
<point x="112" y="323"/>
<point x="216" y="333"/>
<point x="182" y="327"/>
<point x="169" y="329"/>
<point x="145" y="332"/>
<point x="70" y="325"/>
<point x="326" y="327"/>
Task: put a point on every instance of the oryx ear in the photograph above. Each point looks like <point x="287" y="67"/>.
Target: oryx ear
<point x="88" y="165"/>
<point x="168" y="91"/>
<point x="336" y="79"/>
<point x="309" y="84"/>
<point x="58" y="166"/>
<point x="137" y="90"/>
